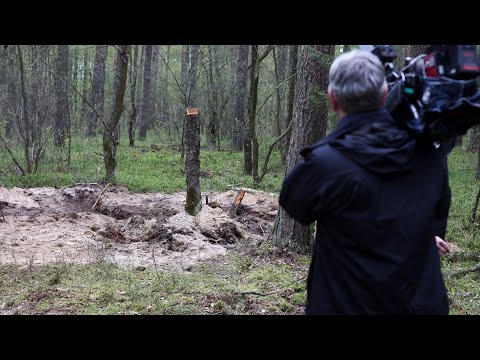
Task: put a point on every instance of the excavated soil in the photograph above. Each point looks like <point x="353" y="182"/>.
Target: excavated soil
<point x="45" y="225"/>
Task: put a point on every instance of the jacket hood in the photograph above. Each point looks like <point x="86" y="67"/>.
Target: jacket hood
<point x="374" y="141"/>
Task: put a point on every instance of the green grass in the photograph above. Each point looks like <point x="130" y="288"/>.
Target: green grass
<point x="103" y="288"/>
<point x="464" y="290"/>
<point x="140" y="169"/>
<point x="464" y="190"/>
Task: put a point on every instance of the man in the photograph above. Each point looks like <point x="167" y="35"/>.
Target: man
<point x="379" y="198"/>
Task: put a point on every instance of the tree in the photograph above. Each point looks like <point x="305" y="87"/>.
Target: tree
<point x="250" y="139"/>
<point x="27" y="136"/>
<point x="293" y="62"/>
<point x="133" y="88"/>
<point x="279" y="58"/>
<point x="98" y="87"/>
<point x="109" y="141"/>
<point x="146" y="112"/>
<point x="194" y="199"/>
<point x="155" y="102"/>
<point x="62" y="109"/>
<point x="85" y="87"/>
<point x="10" y="103"/>
<point x="310" y="125"/>
<point x="212" y="126"/>
<point x="240" y="95"/>
<point x="190" y="91"/>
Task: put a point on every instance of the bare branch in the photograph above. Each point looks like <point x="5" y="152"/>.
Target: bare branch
<point x="270" y="149"/>
<point x="465" y="271"/>
<point x="174" y="77"/>
<point x="264" y="53"/>
<point x="93" y="207"/>
<point x="11" y="154"/>
<point x="274" y="91"/>
<point x="88" y="103"/>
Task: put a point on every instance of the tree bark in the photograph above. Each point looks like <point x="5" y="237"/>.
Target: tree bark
<point x="98" y="87"/>
<point x="109" y="141"/>
<point x="279" y="58"/>
<point x="247" y="135"/>
<point x="293" y="62"/>
<point x="154" y="96"/>
<point x="146" y="112"/>
<point x="62" y="110"/>
<point x="85" y="80"/>
<point x="194" y="198"/>
<point x="183" y="96"/>
<point x="133" y="88"/>
<point x="252" y="112"/>
<point x="240" y="95"/>
<point x="74" y="74"/>
<point x="310" y="125"/>
<point x="26" y="120"/>
<point x="10" y="107"/>
<point x="213" y="99"/>
<point x="190" y="91"/>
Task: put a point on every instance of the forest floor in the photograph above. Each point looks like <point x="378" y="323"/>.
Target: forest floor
<point x="53" y="243"/>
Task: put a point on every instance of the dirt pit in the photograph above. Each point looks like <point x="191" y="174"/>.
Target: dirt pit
<point x="47" y="225"/>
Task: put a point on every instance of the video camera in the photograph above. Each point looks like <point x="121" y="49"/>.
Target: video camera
<point x="435" y="95"/>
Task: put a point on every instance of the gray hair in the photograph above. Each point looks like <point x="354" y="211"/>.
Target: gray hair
<point x="357" y="80"/>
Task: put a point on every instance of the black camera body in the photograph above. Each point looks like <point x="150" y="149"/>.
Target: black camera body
<point x="434" y="95"/>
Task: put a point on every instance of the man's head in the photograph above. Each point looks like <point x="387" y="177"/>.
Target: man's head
<point x="357" y="82"/>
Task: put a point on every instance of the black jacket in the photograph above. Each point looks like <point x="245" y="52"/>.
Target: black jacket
<point x="379" y="198"/>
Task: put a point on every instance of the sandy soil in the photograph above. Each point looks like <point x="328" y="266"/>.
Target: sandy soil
<point x="45" y="225"/>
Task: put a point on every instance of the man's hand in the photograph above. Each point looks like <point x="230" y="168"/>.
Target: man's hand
<point x="443" y="246"/>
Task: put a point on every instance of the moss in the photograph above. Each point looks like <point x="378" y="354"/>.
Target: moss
<point x="194" y="201"/>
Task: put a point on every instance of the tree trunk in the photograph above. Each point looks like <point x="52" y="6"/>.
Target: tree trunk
<point x="279" y="58"/>
<point x="62" y="109"/>
<point x="183" y="96"/>
<point x="247" y="135"/>
<point x="192" y="135"/>
<point x="74" y="74"/>
<point x="164" y="116"/>
<point x="213" y="100"/>
<point x="154" y="92"/>
<point x="109" y="142"/>
<point x="11" y="105"/>
<point x="85" y="80"/>
<point x="133" y="88"/>
<point x="293" y="61"/>
<point x="240" y="94"/>
<point x="146" y="112"/>
<point x="192" y="76"/>
<point x="98" y="88"/>
<point x="310" y="125"/>
<point x="251" y="161"/>
<point x="26" y="120"/>
<point x="190" y="89"/>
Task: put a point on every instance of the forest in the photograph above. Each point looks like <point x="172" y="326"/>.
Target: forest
<point x="144" y="179"/>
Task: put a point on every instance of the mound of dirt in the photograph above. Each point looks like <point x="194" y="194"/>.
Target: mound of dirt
<point x="44" y="225"/>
